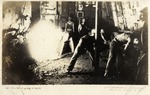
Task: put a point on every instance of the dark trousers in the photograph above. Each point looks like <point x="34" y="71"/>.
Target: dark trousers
<point x="115" y="55"/>
<point x="85" y="43"/>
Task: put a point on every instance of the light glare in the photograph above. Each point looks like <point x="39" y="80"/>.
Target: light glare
<point x="44" y="39"/>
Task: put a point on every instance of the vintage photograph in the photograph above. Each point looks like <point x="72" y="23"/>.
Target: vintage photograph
<point x="74" y="42"/>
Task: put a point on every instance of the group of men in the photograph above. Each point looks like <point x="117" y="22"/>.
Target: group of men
<point x="107" y="40"/>
<point x="112" y="39"/>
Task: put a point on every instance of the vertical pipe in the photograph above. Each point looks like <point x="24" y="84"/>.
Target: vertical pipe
<point x="96" y="59"/>
<point x="57" y="13"/>
<point x="114" y="14"/>
<point x="116" y="10"/>
<point x="96" y="18"/>
<point x="123" y="17"/>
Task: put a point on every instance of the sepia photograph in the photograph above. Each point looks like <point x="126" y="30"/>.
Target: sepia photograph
<point x="74" y="43"/>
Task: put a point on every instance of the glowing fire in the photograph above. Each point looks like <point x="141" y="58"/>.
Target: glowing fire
<point x="44" y="41"/>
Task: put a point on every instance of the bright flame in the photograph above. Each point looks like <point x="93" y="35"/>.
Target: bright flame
<point x="44" y="39"/>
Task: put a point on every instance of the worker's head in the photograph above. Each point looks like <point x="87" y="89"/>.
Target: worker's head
<point x="69" y="18"/>
<point x="92" y="33"/>
<point x="144" y="14"/>
<point x="102" y="31"/>
<point x="83" y="20"/>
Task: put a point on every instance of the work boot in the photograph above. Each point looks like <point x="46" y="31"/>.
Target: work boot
<point x="106" y="73"/>
<point x="69" y="69"/>
<point x="109" y="74"/>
